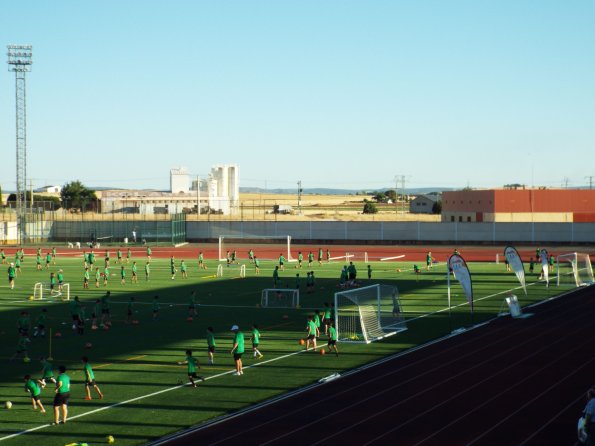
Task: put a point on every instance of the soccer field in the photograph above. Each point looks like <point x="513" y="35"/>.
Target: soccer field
<point x="136" y="364"/>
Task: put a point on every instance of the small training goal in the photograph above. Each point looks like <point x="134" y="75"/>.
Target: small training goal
<point x="368" y="314"/>
<point x="242" y="245"/>
<point x="280" y="298"/>
<point x="231" y="271"/>
<point x="42" y="290"/>
<point x="574" y="269"/>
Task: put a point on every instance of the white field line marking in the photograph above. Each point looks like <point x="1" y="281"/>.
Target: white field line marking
<point x="138" y="398"/>
<point x="392" y="258"/>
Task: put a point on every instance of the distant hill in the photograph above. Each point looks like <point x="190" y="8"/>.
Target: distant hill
<point x="330" y="191"/>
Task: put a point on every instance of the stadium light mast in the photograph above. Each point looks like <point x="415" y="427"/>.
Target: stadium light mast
<point x="19" y="62"/>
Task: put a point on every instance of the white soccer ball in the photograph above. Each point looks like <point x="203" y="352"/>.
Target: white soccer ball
<point x="8" y="404"/>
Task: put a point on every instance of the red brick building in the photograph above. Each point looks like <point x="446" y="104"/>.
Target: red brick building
<point x="519" y="205"/>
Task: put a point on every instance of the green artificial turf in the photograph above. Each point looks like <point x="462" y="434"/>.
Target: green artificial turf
<point x="136" y="365"/>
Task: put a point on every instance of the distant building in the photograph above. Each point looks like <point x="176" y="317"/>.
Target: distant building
<point x="519" y="205"/>
<point x="49" y="190"/>
<point x="424" y="204"/>
<point x="219" y="193"/>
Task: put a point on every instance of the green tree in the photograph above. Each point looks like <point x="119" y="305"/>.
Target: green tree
<point x="76" y="195"/>
<point x="391" y="195"/>
<point x="437" y="207"/>
<point x="369" y="207"/>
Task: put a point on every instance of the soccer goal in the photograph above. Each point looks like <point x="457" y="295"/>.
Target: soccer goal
<point x="43" y="290"/>
<point x="368" y="314"/>
<point x="280" y="298"/>
<point x="574" y="269"/>
<point x="233" y="270"/>
<point x="242" y="245"/>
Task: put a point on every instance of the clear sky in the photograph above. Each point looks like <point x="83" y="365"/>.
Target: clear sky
<point x="333" y="93"/>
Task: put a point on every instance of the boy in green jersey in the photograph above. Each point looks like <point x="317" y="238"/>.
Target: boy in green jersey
<point x="128" y="255"/>
<point x="148" y="254"/>
<point x="97" y="277"/>
<point x="17" y="265"/>
<point x="192" y="306"/>
<point x="211" y="344"/>
<point x="332" y="339"/>
<point x="106" y="317"/>
<point x="22" y="348"/>
<point x="76" y="312"/>
<point x="281" y="262"/>
<point x="251" y="255"/>
<point x="60" y="278"/>
<point x="130" y="311"/>
<point x="311" y="333"/>
<point x="326" y="317"/>
<point x="256" y="266"/>
<point x="119" y="256"/>
<point x="193" y="364"/>
<point x="134" y="273"/>
<point x="86" y="278"/>
<point x="275" y="277"/>
<point x="172" y="267"/>
<point x="105" y="275"/>
<point x="90" y="379"/>
<point x="107" y="255"/>
<point x="39" y="328"/>
<point x="24" y="323"/>
<point x="255" y="338"/>
<point x="155" y="308"/>
<point x="328" y="255"/>
<point x="300" y="259"/>
<point x="184" y="270"/>
<point x="201" y="263"/>
<point x="38" y="262"/>
<point x="34" y="390"/>
<point x="238" y="349"/>
<point x="96" y="314"/>
<point x="52" y="282"/>
<point x="47" y="372"/>
<point x="123" y="275"/>
<point x="320" y="256"/>
<point x="369" y="272"/>
<point x="147" y="271"/>
<point x="11" y="275"/>
<point x="48" y="259"/>
<point x="53" y="255"/>
<point x="310" y="259"/>
<point x="62" y="396"/>
<point x="3" y="256"/>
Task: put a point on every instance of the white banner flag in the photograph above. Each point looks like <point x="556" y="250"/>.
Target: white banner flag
<point x="544" y="266"/>
<point x="515" y="262"/>
<point x="457" y="265"/>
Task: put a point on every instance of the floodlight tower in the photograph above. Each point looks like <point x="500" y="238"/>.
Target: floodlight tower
<point x="20" y="61"/>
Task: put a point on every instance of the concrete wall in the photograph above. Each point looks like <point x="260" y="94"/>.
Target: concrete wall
<point x="407" y="232"/>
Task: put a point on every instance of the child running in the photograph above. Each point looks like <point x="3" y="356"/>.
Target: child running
<point x="34" y="390"/>
<point x="211" y="344"/>
<point x="193" y="364"/>
<point x="255" y="338"/>
<point x="90" y="379"/>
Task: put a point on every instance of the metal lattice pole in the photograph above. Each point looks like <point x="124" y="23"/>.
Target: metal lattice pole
<point x="20" y="61"/>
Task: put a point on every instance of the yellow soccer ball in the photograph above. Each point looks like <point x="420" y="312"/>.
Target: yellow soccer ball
<point x="8" y="404"/>
<point x="110" y="439"/>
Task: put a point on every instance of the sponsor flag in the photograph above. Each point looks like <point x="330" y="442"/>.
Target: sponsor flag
<point x="515" y="262"/>
<point x="457" y="265"/>
<point x="544" y="266"/>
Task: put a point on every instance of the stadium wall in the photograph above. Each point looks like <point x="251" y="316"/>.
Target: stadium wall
<point x="372" y="232"/>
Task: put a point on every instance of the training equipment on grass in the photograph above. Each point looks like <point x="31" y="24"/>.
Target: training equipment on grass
<point x="322" y="352"/>
<point x="110" y="439"/>
<point x="280" y="298"/>
<point x="242" y="244"/>
<point x="42" y="290"/>
<point x="8" y="405"/>
<point x="574" y="269"/>
<point x="301" y="342"/>
<point x="231" y="271"/>
<point x="367" y="314"/>
<point x="387" y="259"/>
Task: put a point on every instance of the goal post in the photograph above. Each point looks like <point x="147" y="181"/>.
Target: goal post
<point x="43" y="290"/>
<point x="280" y="298"/>
<point x="239" y="269"/>
<point x="368" y="314"/>
<point x="574" y="269"/>
<point x="244" y="244"/>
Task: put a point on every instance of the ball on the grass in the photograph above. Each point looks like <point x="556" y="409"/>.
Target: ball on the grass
<point x="88" y="345"/>
<point x="285" y="316"/>
<point x="398" y="270"/>
<point x="26" y="359"/>
<point x="58" y="334"/>
<point x="322" y="352"/>
<point x="8" y="404"/>
<point x="110" y="439"/>
<point x="301" y="342"/>
<point x="31" y="298"/>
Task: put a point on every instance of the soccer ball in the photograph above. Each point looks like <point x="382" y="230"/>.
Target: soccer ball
<point x="398" y="270"/>
<point x="31" y="298"/>
<point x="58" y="334"/>
<point x="88" y="345"/>
<point x="301" y="342"/>
<point x="110" y="439"/>
<point x="26" y="359"/>
<point x="322" y="352"/>
<point x="8" y="404"/>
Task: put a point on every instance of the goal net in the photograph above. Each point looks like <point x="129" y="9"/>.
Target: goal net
<point x="368" y="314"/>
<point x="280" y="298"/>
<point x="574" y="269"/>
<point x="231" y="271"/>
<point x="242" y="245"/>
<point x="43" y="290"/>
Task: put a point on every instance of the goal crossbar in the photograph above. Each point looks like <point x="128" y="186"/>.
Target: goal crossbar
<point x="43" y="290"/>
<point x="280" y="298"/>
<point x="574" y="269"/>
<point x="231" y="242"/>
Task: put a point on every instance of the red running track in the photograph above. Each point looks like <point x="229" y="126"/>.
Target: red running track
<point x="510" y="382"/>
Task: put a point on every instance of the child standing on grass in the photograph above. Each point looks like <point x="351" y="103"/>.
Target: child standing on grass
<point x="147" y="271"/>
<point x="192" y="306"/>
<point x="90" y="379"/>
<point x="123" y="275"/>
<point x="311" y="333"/>
<point x="34" y="390"/>
<point x="238" y="349"/>
<point x="332" y="339"/>
<point x="255" y="338"/>
<point x="155" y="308"/>
<point x="193" y="364"/>
<point x="62" y="396"/>
<point x="134" y="273"/>
<point x="211" y="345"/>
<point x="97" y="277"/>
<point x="183" y="269"/>
<point x="47" y="372"/>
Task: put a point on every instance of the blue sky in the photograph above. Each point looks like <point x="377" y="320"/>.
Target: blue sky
<point x="332" y="93"/>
